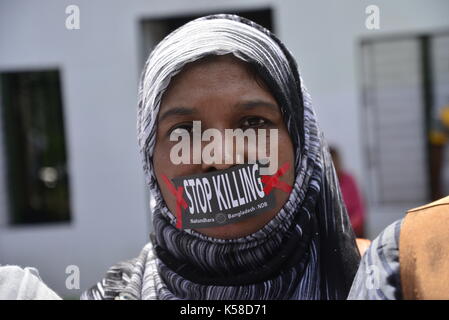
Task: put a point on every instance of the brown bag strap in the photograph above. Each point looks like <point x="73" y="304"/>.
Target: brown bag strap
<point x="424" y="252"/>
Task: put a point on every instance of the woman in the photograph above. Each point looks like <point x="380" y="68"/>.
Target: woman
<point x="351" y="195"/>
<point x="229" y="72"/>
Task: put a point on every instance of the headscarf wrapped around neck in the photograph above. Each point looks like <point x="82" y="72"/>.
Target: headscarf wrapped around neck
<point x="307" y="251"/>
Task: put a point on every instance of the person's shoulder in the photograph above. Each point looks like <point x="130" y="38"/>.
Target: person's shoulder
<point x="440" y="202"/>
<point x="431" y="216"/>
<point x="378" y="276"/>
<point x="117" y="277"/>
<point x="23" y="284"/>
<point x="424" y="251"/>
<point x="114" y="281"/>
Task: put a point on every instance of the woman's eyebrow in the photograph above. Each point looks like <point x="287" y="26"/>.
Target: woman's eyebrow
<point x="177" y="111"/>
<point x="252" y="104"/>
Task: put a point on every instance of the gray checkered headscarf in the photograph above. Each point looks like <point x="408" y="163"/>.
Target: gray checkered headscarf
<point x="307" y="251"/>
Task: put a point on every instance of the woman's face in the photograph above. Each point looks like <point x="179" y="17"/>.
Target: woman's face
<point x="222" y="94"/>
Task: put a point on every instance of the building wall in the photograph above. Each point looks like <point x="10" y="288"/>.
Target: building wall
<point x="99" y="67"/>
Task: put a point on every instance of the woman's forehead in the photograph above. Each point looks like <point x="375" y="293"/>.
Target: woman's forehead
<point x="215" y="75"/>
<point x="219" y="65"/>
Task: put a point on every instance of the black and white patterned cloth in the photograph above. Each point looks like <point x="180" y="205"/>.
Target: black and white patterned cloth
<point x="307" y="251"/>
<point x="378" y="276"/>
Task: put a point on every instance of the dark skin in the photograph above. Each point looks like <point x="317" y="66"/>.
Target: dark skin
<point x="222" y="94"/>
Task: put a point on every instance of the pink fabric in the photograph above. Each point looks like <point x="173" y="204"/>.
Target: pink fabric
<point x="353" y="201"/>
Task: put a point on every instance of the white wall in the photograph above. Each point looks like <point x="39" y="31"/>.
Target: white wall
<point x="99" y="68"/>
<point x="324" y="36"/>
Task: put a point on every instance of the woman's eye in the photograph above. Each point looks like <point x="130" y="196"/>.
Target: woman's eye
<point x="254" y="122"/>
<point x="182" y="128"/>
